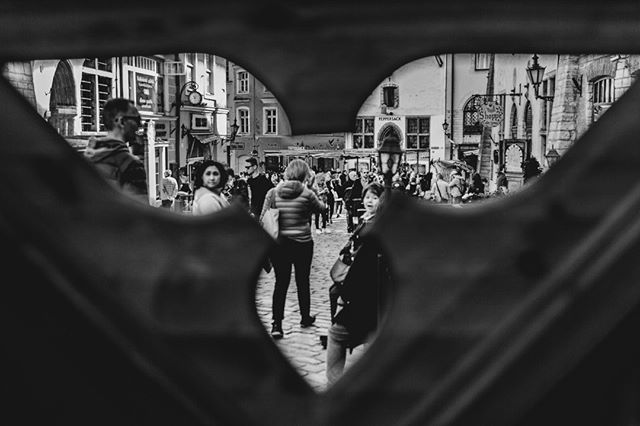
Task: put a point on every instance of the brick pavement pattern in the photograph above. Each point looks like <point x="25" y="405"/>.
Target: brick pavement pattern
<point x="302" y="345"/>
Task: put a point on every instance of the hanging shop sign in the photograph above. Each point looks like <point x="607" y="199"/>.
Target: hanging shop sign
<point x="491" y="114"/>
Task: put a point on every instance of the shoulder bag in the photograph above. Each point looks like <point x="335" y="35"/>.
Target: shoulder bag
<point x="271" y="215"/>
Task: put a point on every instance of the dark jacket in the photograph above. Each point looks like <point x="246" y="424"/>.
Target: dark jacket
<point x="259" y="186"/>
<point x="115" y="162"/>
<point x="365" y="290"/>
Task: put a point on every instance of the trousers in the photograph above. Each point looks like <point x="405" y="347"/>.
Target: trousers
<point x="287" y="254"/>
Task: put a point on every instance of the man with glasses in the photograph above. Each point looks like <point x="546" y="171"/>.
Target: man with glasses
<point x="259" y="184"/>
<point x="111" y="154"/>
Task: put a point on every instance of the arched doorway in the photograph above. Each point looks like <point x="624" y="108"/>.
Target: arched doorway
<point x="62" y="103"/>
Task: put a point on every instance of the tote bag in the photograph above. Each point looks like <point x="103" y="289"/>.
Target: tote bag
<point x="270" y="218"/>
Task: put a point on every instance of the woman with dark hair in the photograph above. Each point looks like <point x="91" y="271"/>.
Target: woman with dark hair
<point x="210" y="180"/>
<point x="361" y="297"/>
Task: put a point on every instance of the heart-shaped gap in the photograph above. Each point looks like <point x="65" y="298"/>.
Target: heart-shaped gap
<point x="422" y="132"/>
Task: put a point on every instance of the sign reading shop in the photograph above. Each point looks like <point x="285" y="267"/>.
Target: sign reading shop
<point x="491" y="114"/>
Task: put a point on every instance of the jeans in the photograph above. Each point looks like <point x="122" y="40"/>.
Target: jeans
<point x="289" y="253"/>
<point x="337" y="346"/>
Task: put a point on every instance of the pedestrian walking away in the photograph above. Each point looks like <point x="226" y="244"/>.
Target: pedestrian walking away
<point x="211" y="178"/>
<point x="362" y="296"/>
<point x="168" y="189"/>
<point x="112" y="156"/>
<point x="294" y="248"/>
<point x="259" y="184"/>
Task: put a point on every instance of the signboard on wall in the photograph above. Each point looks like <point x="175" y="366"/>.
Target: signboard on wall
<point x="491" y="114"/>
<point x="145" y="92"/>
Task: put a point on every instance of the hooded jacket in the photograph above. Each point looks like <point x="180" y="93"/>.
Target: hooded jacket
<point x="295" y="202"/>
<point x="115" y="162"/>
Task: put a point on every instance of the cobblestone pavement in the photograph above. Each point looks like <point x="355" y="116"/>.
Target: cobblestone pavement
<point x="302" y="345"/>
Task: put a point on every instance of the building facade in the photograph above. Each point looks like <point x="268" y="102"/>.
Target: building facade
<point x="69" y="94"/>
<point x="264" y="130"/>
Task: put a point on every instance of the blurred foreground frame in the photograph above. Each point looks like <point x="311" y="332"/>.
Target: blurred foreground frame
<point x="114" y="314"/>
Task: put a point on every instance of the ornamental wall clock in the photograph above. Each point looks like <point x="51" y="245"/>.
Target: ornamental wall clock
<point x="195" y="98"/>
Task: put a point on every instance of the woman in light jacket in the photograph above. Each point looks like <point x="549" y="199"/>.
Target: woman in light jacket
<point x="295" y="202"/>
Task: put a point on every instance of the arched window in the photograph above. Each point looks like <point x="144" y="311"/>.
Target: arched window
<point x="528" y="120"/>
<point x="514" y="121"/>
<point x="603" y="96"/>
<point x="471" y="124"/>
<point x="63" y="89"/>
<point x="62" y="103"/>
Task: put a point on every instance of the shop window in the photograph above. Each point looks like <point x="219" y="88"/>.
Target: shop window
<point x="145" y="84"/>
<point x="418" y="132"/>
<point x="363" y="135"/>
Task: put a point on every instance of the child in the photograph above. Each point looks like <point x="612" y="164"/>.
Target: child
<point x="355" y="300"/>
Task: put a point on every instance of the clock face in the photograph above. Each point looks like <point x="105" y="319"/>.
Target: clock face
<point x="195" y="98"/>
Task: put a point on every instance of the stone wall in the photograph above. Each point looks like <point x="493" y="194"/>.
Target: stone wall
<point x="21" y="77"/>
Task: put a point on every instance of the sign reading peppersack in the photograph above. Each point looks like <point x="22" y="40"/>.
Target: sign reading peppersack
<point x="491" y="114"/>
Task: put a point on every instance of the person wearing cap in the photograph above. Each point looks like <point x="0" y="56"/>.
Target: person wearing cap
<point x="259" y="185"/>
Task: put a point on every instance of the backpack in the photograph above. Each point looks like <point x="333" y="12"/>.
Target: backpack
<point x="112" y="172"/>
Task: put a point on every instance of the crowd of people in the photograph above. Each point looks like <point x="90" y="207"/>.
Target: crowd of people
<point x="306" y="198"/>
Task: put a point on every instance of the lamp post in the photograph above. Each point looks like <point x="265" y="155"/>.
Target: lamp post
<point x="535" y="73"/>
<point x="389" y="155"/>
<point x="192" y="86"/>
<point x="232" y="138"/>
<point x="552" y="156"/>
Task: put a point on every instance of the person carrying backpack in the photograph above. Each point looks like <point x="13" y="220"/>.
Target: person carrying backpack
<point x="111" y="155"/>
<point x="357" y="302"/>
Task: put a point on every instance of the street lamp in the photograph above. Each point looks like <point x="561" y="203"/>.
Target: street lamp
<point x="552" y="156"/>
<point x="445" y="127"/>
<point x="192" y="86"/>
<point x="535" y="73"/>
<point x="389" y="155"/>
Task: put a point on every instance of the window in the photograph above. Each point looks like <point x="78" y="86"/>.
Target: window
<point x="603" y="96"/>
<point x="390" y="96"/>
<point x="190" y="60"/>
<point x="363" y="136"/>
<point x="548" y="89"/>
<point x="208" y="78"/>
<point x="482" y="61"/>
<point x="200" y="122"/>
<point x="96" y="87"/>
<point x="242" y="82"/>
<point x="514" y="121"/>
<point x="417" y="132"/>
<point x="270" y="119"/>
<point x="242" y="115"/>
<point x="471" y="123"/>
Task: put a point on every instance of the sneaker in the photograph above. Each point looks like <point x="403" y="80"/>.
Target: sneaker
<point x="276" y="330"/>
<point x="318" y="231"/>
<point x="308" y="322"/>
<point x="328" y="231"/>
